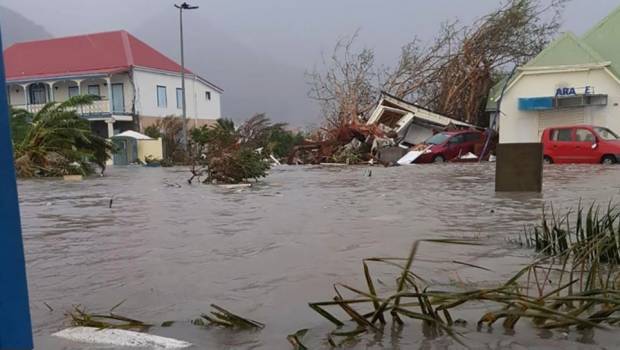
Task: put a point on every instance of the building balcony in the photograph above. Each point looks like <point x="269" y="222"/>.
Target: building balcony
<point x="99" y="109"/>
<point x="114" y="95"/>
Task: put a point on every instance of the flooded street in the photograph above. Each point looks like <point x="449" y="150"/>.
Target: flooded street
<point x="171" y="249"/>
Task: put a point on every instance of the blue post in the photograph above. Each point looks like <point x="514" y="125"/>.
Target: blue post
<point x="15" y="327"/>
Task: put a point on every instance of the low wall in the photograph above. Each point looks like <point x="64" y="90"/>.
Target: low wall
<point x="150" y="148"/>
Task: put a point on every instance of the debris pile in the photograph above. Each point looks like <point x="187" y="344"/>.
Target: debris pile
<point x="348" y="144"/>
<point x="394" y="129"/>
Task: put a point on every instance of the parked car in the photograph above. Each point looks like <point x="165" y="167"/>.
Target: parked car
<point x="448" y="145"/>
<point x="580" y="144"/>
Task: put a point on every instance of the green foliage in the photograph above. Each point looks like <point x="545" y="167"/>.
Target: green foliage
<point x="591" y="233"/>
<point x="229" y="155"/>
<point x="56" y="141"/>
<point x="281" y="142"/>
<point x="224" y="318"/>
<point x="170" y="130"/>
<point x="20" y="123"/>
<point x="152" y="131"/>
<point x="553" y="292"/>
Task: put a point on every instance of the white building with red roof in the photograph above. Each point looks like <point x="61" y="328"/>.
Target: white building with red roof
<point x="136" y="85"/>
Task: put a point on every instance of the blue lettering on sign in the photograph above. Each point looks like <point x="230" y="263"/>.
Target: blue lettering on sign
<point x="565" y="92"/>
<point x="588" y="90"/>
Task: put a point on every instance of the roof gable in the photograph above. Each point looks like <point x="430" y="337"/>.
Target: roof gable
<point x="603" y="38"/>
<point x="142" y="55"/>
<point x="567" y="50"/>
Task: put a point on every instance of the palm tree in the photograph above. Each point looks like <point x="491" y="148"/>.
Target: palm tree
<point x="56" y="141"/>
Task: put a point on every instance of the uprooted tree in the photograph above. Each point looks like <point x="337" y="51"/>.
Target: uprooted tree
<point x="452" y="75"/>
<point x="224" y="153"/>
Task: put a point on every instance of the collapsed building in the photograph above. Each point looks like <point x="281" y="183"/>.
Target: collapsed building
<point x="411" y="123"/>
<point x="407" y="124"/>
<point x="394" y="127"/>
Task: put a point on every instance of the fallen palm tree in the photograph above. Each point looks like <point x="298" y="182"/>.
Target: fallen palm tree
<point x="56" y="141"/>
<point x="230" y="154"/>
<point x="226" y="154"/>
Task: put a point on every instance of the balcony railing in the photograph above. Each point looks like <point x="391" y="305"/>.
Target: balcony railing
<point x="99" y="107"/>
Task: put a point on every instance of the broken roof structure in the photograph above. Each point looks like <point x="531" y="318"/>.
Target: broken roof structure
<point x="412" y="122"/>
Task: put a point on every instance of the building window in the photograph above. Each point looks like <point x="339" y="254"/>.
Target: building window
<point x="93" y="90"/>
<point x="208" y="95"/>
<point x="73" y="91"/>
<point x="179" y="98"/>
<point x="162" y="100"/>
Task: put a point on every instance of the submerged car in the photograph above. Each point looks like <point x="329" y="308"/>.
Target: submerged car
<point x="580" y="144"/>
<point x="449" y="145"/>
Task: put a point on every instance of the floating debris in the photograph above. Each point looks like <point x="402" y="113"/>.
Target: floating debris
<point x="224" y="318"/>
<point x="296" y="338"/>
<point x="81" y="318"/>
<point x="120" y="338"/>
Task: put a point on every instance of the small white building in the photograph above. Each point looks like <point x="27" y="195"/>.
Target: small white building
<point x="134" y="84"/>
<point x="576" y="80"/>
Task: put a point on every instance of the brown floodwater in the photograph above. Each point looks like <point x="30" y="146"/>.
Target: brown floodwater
<point x="171" y="249"/>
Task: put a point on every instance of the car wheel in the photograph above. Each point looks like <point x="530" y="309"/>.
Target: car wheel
<point x="609" y="160"/>
<point x="547" y="160"/>
<point x="439" y="159"/>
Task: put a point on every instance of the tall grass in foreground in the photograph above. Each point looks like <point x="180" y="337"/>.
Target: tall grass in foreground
<point x="586" y="234"/>
<point x="584" y="295"/>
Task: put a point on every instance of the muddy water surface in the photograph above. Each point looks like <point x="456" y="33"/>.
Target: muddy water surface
<point x="171" y="249"/>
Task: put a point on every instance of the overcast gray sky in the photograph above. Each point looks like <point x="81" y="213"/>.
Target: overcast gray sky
<point x="258" y="50"/>
<point x="291" y="31"/>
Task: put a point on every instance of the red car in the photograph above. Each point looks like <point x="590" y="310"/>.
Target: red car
<point x="580" y="144"/>
<point x="449" y="145"/>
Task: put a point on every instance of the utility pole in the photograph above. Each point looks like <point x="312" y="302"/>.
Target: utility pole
<point x="183" y="6"/>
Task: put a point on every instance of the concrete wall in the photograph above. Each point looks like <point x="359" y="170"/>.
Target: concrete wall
<point x="151" y="148"/>
<point x="522" y="126"/>
<point x="198" y="106"/>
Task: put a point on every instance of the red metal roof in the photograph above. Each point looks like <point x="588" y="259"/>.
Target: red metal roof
<point x="98" y="53"/>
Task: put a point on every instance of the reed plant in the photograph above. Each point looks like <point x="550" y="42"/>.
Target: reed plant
<point x="584" y="295"/>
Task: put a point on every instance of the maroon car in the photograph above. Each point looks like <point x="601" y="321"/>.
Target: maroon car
<point x="448" y="145"/>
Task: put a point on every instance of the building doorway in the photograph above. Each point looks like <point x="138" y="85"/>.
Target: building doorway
<point x="37" y="93"/>
<point x="118" y="98"/>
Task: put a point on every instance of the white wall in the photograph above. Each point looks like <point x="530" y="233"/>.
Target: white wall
<point x="198" y="106"/>
<point x="522" y="126"/>
<point x="16" y="95"/>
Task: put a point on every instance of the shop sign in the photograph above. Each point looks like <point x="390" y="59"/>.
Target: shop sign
<point x="571" y="91"/>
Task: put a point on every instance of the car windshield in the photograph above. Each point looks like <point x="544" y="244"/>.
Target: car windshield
<point x="606" y="134"/>
<point x="437" y="139"/>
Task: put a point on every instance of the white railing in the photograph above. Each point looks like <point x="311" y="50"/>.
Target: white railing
<point x="97" y="107"/>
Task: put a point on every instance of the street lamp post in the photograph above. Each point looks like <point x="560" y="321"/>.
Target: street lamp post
<point x="183" y="6"/>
